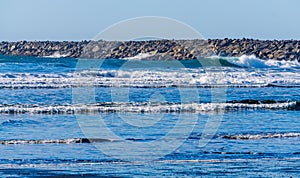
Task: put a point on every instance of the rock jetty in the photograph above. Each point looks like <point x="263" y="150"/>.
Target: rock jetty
<point x="160" y="49"/>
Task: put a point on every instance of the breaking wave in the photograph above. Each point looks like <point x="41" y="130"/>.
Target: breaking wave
<point x="251" y="61"/>
<point x="244" y="61"/>
<point x="141" y="56"/>
<point x="147" y="107"/>
<point x="57" y="55"/>
<point x="185" y="77"/>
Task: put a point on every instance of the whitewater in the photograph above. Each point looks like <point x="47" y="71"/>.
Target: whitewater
<point x="200" y="116"/>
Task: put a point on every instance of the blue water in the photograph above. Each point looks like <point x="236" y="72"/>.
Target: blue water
<point x="149" y="118"/>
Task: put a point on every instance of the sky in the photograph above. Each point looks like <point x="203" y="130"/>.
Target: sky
<point x="83" y="19"/>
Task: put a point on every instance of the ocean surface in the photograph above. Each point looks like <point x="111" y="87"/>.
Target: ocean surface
<point x="213" y="117"/>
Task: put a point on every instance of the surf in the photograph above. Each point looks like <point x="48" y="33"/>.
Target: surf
<point x="147" y="107"/>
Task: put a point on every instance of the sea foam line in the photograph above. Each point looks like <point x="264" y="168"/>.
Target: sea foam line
<point x="152" y="79"/>
<point x="261" y="136"/>
<point x="145" y="107"/>
<point x="56" y="141"/>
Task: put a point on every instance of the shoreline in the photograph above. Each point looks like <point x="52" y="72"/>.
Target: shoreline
<point x="156" y="49"/>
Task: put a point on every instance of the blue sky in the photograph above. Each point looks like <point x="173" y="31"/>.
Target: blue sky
<point x="83" y="19"/>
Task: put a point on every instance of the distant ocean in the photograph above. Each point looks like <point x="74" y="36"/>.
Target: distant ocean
<point x="241" y="117"/>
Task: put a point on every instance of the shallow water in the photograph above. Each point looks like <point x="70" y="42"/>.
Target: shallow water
<point x="149" y="118"/>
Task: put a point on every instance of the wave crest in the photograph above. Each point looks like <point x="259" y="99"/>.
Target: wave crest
<point x="251" y="61"/>
<point x="146" y="107"/>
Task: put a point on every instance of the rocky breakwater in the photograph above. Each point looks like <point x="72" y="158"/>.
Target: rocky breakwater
<point x="264" y="49"/>
<point x="157" y="49"/>
<point x="42" y="48"/>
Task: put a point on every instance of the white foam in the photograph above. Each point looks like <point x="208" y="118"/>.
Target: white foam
<point x="57" y="55"/>
<point x="230" y="77"/>
<point x="262" y="136"/>
<point x="140" y="56"/>
<point x="62" y="141"/>
<point x="141" y="108"/>
<point x="254" y="62"/>
<point x="56" y="141"/>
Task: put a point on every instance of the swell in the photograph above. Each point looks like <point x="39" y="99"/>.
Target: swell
<point x="149" y="107"/>
<point x="102" y="140"/>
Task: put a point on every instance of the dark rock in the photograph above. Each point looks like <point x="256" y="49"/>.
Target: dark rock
<point x="178" y="49"/>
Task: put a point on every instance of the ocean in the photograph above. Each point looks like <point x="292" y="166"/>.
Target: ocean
<point x="212" y="117"/>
